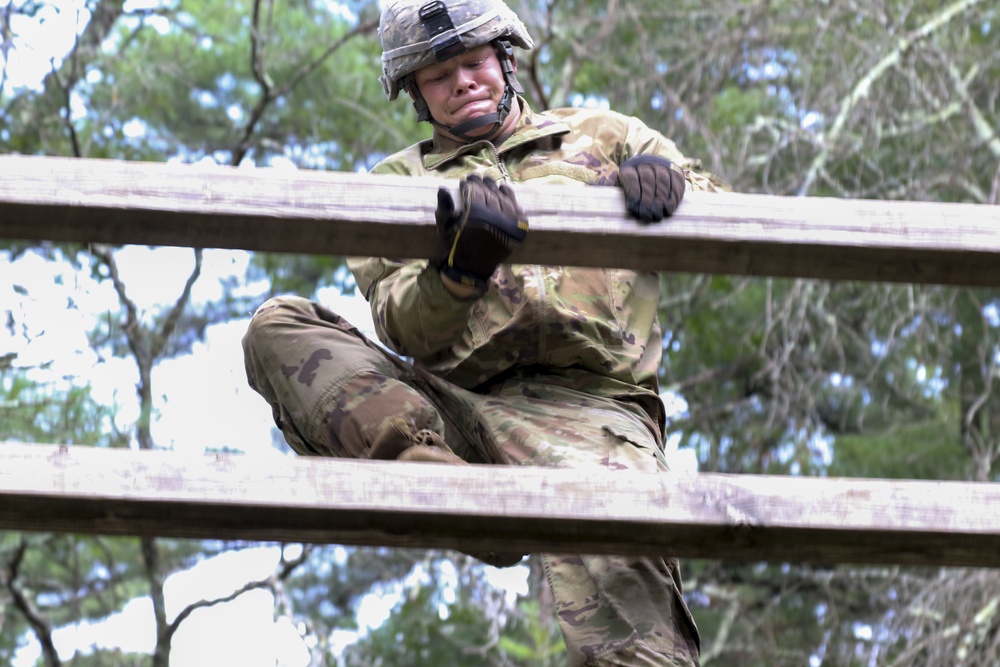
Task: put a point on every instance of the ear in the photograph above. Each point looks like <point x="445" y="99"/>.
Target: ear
<point x="513" y="63"/>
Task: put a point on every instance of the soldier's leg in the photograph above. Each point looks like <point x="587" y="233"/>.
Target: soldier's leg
<point x="619" y="611"/>
<point x="622" y="612"/>
<point x="332" y="391"/>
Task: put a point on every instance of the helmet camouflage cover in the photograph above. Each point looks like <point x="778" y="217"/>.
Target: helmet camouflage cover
<point x="417" y="33"/>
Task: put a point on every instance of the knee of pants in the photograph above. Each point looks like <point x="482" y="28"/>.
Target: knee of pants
<point x="261" y="333"/>
<point x="286" y="326"/>
<point x="277" y="311"/>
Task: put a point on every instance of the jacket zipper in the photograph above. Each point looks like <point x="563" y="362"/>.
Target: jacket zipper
<point x="536" y="269"/>
<point x="500" y="164"/>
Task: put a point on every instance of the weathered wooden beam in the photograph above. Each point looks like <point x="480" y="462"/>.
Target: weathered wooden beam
<point x="498" y="508"/>
<point x="85" y="200"/>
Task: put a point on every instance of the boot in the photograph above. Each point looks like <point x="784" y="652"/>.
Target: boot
<point x="399" y="441"/>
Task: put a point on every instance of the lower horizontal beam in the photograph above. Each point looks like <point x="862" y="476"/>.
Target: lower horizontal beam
<point x="338" y="213"/>
<point x="497" y="508"/>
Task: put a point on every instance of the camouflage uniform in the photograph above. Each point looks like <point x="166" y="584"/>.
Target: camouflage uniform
<point x="553" y="366"/>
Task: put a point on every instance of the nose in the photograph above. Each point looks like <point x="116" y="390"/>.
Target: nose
<point x="464" y="79"/>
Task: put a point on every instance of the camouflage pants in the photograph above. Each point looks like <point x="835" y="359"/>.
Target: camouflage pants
<point x="332" y="390"/>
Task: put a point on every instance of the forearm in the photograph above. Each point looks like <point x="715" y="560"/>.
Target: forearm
<point x="415" y="314"/>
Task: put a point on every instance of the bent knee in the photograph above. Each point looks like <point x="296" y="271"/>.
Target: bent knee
<point x="271" y="325"/>
<point x="280" y="309"/>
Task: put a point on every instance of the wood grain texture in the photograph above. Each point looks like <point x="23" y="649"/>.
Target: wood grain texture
<point x="739" y="517"/>
<point x="338" y="213"/>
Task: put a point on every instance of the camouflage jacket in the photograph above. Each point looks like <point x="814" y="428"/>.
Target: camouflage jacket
<point x="597" y="323"/>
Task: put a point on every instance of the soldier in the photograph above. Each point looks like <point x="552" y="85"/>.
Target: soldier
<point x="511" y="364"/>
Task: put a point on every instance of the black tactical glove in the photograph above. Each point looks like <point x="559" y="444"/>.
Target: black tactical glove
<point x="653" y="186"/>
<point x="480" y="232"/>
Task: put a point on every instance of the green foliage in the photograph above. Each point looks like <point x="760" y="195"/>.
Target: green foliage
<point x="76" y="578"/>
<point x="921" y="450"/>
<point x="65" y="579"/>
<point x="424" y="633"/>
<point x="735" y="106"/>
<point x="110" y="658"/>
<point x="194" y="84"/>
<point x="530" y="639"/>
<point x="444" y="619"/>
<point x="300" y="274"/>
<point x="328" y="591"/>
<point x="34" y="412"/>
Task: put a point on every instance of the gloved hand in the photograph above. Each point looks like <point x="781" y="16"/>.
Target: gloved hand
<point x="653" y="186"/>
<point x="480" y="231"/>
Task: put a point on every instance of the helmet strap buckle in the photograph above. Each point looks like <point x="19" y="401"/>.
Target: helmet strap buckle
<point x="436" y="20"/>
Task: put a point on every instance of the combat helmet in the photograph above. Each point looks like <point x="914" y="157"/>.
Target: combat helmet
<point x="417" y="33"/>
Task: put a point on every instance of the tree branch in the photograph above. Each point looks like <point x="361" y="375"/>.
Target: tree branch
<point x="863" y="87"/>
<point x="995" y="188"/>
<point x="272" y="582"/>
<point x="160" y="338"/>
<point x="131" y="325"/>
<point x="66" y="90"/>
<point x="39" y="624"/>
<point x="268" y="91"/>
<point x="985" y="131"/>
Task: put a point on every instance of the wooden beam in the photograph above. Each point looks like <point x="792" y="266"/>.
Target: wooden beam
<point x="499" y="508"/>
<point x="336" y="213"/>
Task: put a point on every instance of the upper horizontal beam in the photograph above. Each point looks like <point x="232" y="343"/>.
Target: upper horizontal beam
<point x="498" y="508"/>
<point x="338" y="213"/>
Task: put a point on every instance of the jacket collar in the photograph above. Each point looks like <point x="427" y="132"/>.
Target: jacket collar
<point x="530" y="127"/>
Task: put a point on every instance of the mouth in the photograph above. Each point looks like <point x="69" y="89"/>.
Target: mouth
<point x="471" y="103"/>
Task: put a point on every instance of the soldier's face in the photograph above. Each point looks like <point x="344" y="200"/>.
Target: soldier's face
<point x="464" y="87"/>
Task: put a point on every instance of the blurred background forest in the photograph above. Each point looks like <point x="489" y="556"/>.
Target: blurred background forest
<point x="886" y="99"/>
